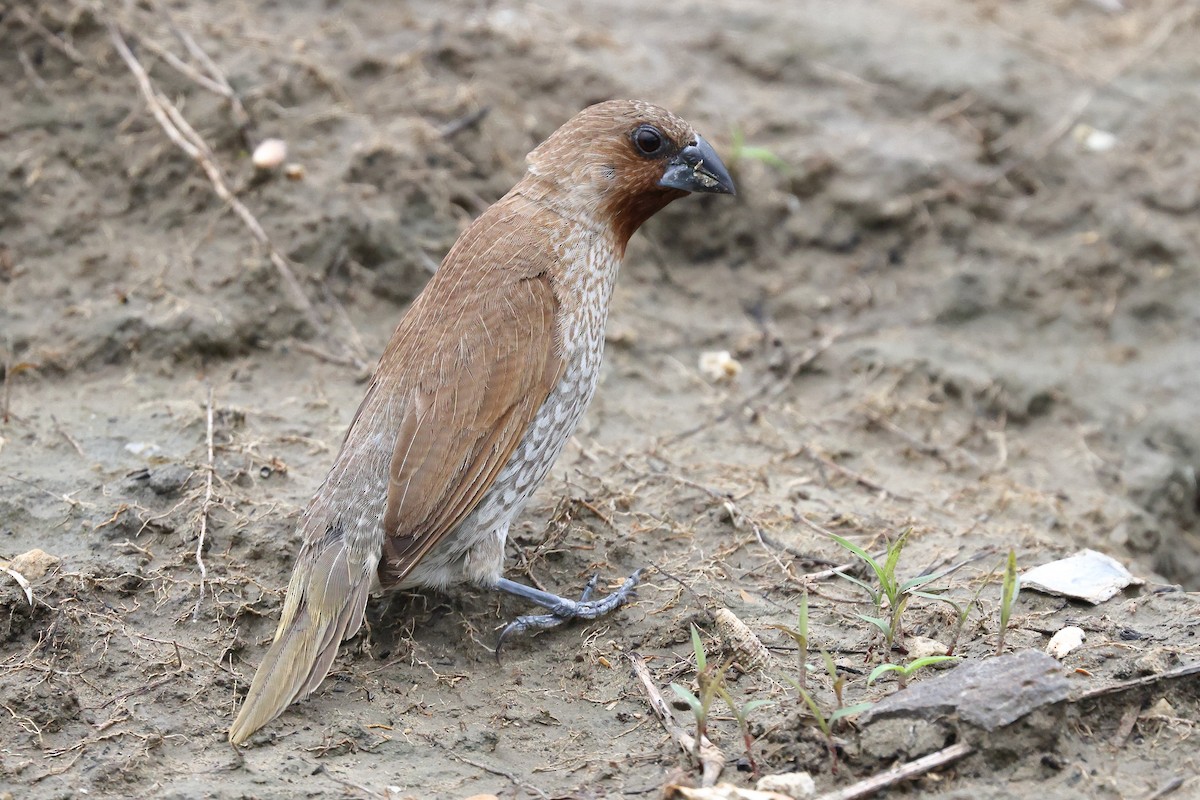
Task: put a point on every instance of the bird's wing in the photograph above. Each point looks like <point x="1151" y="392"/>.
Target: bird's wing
<point x="465" y="374"/>
<point x="464" y="422"/>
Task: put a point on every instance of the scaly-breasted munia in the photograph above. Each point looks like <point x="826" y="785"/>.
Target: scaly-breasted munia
<point x="479" y="389"/>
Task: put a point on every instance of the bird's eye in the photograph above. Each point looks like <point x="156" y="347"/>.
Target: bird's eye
<point x="649" y="141"/>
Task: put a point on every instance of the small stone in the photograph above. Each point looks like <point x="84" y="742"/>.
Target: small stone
<point x="34" y="564"/>
<point x="1094" y="140"/>
<point x="1155" y="662"/>
<point x="719" y="366"/>
<point x="269" y="154"/>
<point x="920" y="647"/>
<point x="793" y="784"/>
<point x="1162" y="708"/>
<point x="1064" y="641"/>
<point x="987" y="694"/>
<point x="168" y="479"/>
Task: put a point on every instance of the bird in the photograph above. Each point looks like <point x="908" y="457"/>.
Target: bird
<point x="482" y="384"/>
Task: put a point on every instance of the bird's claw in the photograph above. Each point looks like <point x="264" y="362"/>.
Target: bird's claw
<point x="586" y="594"/>
<point x="568" y="610"/>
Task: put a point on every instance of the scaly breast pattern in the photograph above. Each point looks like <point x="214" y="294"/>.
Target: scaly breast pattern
<point x="474" y="551"/>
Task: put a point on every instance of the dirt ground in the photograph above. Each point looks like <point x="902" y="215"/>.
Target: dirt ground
<point x="961" y="280"/>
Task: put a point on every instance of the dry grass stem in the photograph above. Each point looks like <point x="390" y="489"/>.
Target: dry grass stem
<point x="858" y="478"/>
<point x="503" y="773"/>
<point x="179" y="131"/>
<point x="216" y="77"/>
<point x="903" y="772"/>
<point x="59" y="44"/>
<point x="712" y="760"/>
<point x="206" y="505"/>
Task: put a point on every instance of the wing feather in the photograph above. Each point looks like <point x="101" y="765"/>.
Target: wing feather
<point x="479" y="411"/>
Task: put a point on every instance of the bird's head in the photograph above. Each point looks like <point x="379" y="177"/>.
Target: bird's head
<point x="622" y="161"/>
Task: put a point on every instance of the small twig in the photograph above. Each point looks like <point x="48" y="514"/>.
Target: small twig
<point x="1166" y="788"/>
<point x="66" y="498"/>
<point x="357" y="348"/>
<point x="858" y="478"/>
<point x="183" y="67"/>
<point x="715" y="494"/>
<point x="59" y="44"/>
<point x="200" y="55"/>
<point x="70" y="439"/>
<point x="141" y="690"/>
<point x="87" y="742"/>
<point x="240" y="117"/>
<point x="204" y="507"/>
<point x="766" y="540"/>
<point x="808" y="523"/>
<point x="798" y="365"/>
<point x="924" y="448"/>
<point x="32" y="74"/>
<point x="739" y="517"/>
<point x="812" y="577"/>
<point x="221" y="665"/>
<point x="763" y="543"/>
<point x="903" y="772"/>
<point x="1125" y="725"/>
<point x="330" y="358"/>
<point x="953" y="107"/>
<point x="712" y="760"/>
<point x="26" y="722"/>
<point x="503" y="773"/>
<point x="6" y="395"/>
<point x="179" y="131"/>
<point x="321" y="769"/>
<point x="468" y="120"/>
<point x="600" y="515"/>
<point x="1183" y="671"/>
<point x="57" y="770"/>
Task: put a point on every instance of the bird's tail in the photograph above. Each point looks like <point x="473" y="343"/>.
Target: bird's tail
<point x="325" y="603"/>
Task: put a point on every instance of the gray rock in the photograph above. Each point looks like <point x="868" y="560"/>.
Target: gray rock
<point x="168" y="479"/>
<point x="987" y="694"/>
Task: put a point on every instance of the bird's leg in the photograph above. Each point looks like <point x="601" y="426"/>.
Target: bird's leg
<point x="561" y="609"/>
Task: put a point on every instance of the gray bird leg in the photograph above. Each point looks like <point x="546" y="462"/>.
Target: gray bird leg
<point x="562" y="610"/>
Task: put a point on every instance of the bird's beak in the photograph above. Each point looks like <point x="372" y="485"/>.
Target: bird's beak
<point x="697" y="168"/>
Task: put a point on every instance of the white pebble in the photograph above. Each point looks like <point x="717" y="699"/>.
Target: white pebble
<point x="1094" y="140"/>
<point x="719" y="365"/>
<point x="1065" y="641"/>
<point x="269" y="154"/>
<point x="792" y="784"/>
<point x="921" y="647"/>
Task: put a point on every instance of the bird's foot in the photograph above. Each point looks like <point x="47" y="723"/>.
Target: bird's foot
<point x="562" y="609"/>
